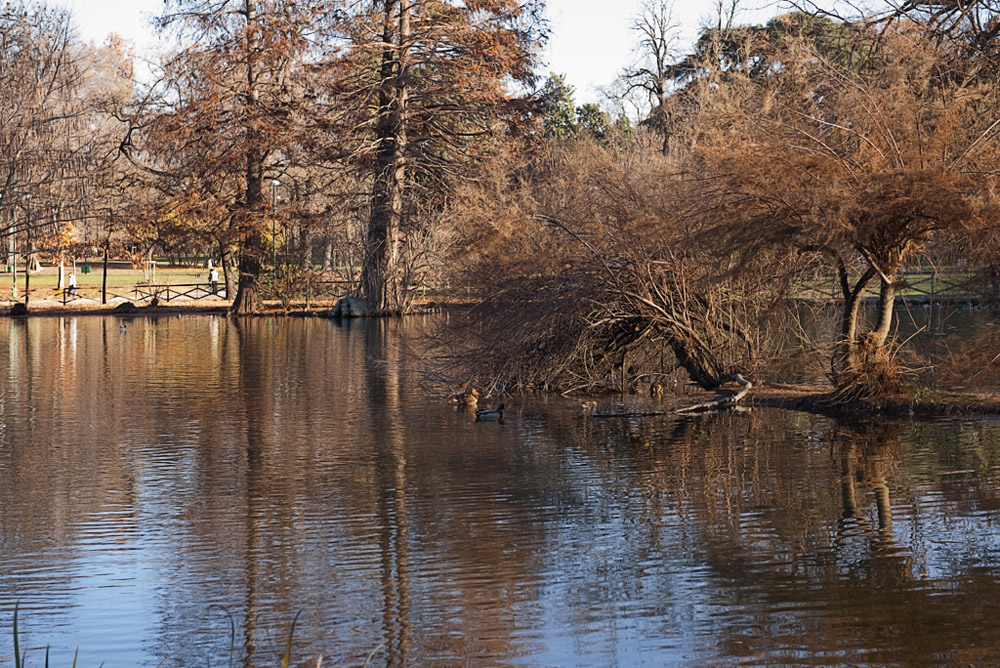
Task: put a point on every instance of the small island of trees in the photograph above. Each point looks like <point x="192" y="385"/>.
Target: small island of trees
<point x="409" y="146"/>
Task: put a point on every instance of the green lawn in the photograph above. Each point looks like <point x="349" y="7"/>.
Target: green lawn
<point x="121" y="279"/>
<point x="48" y="277"/>
<point x="918" y="284"/>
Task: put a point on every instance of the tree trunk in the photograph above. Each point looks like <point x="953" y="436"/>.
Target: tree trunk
<point x="27" y="275"/>
<point x="328" y="256"/>
<point x="248" y="298"/>
<point x="307" y="248"/>
<point x="701" y="365"/>
<point x="664" y="126"/>
<point x="379" y="279"/>
<point x="845" y="356"/>
<point x="887" y="299"/>
<point x="104" y="277"/>
<point x="865" y="367"/>
<point x="230" y="269"/>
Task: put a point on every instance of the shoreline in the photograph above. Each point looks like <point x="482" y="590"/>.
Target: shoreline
<point x="179" y="307"/>
<point x="933" y="405"/>
<point x="316" y="309"/>
<point x="820" y="400"/>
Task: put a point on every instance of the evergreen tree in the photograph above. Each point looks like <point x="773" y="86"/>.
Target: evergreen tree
<point x="556" y="97"/>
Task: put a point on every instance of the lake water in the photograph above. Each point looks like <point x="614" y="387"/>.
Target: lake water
<point x="180" y="491"/>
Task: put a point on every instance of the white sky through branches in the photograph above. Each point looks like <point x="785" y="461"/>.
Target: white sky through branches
<point x="590" y="40"/>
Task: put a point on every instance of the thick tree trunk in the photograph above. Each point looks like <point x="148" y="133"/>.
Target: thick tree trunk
<point x="866" y="368"/>
<point x="248" y="298"/>
<point x="701" y="365"/>
<point x="379" y="279"/>
<point x="378" y="273"/>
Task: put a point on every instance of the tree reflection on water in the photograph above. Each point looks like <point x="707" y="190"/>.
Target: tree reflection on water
<point x="157" y="483"/>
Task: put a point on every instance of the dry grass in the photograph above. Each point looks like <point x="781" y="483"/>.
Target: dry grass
<point x="965" y="364"/>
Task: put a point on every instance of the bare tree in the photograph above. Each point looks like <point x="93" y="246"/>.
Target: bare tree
<point x="425" y="90"/>
<point x="57" y="139"/>
<point x="726" y="12"/>
<point x="594" y="272"/>
<point x="656" y="50"/>
<point x="222" y="118"/>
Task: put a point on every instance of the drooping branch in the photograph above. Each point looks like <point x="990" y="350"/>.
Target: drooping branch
<point x="722" y="402"/>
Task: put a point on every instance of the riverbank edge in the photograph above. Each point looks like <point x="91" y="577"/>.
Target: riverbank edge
<point x="936" y="404"/>
<point x="927" y="405"/>
<point x="316" y="310"/>
<point x="116" y="310"/>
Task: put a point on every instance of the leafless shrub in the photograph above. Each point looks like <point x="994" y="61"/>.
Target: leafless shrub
<point x="875" y="373"/>
<point x="595" y="272"/>
<point x="965" y="363"/>
<point x="422" y="262"/>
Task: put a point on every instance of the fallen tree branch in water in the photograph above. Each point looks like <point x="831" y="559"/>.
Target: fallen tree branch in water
<point x="625" y="414"/>
<point x="722" y="402"/>
<point x="589" y="410"/>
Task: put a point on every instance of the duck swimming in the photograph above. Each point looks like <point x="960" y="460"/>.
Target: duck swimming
<point x="468" y="399"/>
<point x="490" y="414"/>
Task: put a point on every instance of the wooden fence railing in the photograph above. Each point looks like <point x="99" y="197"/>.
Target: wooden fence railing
<point x="304" y="290"/>
<point x="308" y="290"/>
<point x="141" y="292"/>
<point x="931" y="285"/>
<point x="164" y="292"/>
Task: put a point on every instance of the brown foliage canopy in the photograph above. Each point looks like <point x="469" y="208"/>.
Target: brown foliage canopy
<point x="803" y="145"/>
<point x="862" y="162"/>
<point x="592" y="266"/>
<point x="423" y="89"/>
<point x="373" y="107"/>
<point x="226" y="111"/>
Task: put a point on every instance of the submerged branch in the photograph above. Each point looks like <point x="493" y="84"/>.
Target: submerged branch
<point x="722" y="402"/>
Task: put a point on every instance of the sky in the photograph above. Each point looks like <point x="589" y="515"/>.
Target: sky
<point x="590" y="41"/>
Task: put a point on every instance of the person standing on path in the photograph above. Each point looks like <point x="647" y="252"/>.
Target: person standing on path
<point x="213" y="278"/>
